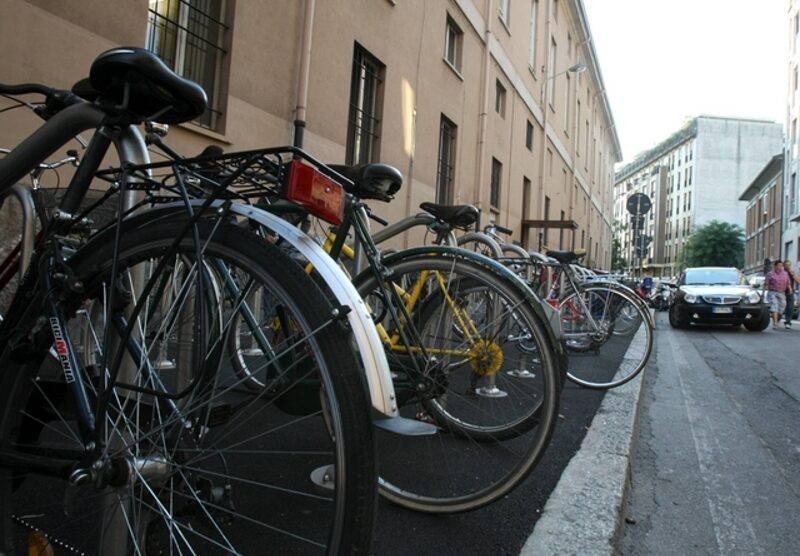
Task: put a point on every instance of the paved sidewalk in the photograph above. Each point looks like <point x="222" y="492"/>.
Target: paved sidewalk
<point x="583" y="515"/>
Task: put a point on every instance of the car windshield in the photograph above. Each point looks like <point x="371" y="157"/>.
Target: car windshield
<point x="712" y="276"/>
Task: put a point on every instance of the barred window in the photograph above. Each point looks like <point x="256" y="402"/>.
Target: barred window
<point x="497" y="176"/>
<point x="363" y="128"/>
<point x="445" y="177"/>
<point x="189" y="36"/>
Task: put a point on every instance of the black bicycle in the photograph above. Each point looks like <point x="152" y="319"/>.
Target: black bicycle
<point x="123" y="427"/>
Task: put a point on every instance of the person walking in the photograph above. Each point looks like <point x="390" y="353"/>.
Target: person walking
<point x="776" y="283"/>
<point x="791" y="291"/>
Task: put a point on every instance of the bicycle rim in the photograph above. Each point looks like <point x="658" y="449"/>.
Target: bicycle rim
<point x="608" y="334"/>
<point x="220" y="468"/>
<point x="489" y="385"/>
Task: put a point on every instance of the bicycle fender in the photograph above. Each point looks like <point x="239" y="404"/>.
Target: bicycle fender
<point x="370" y="348"/>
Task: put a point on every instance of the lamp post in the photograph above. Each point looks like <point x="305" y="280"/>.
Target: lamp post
<point x="580" y="67"/>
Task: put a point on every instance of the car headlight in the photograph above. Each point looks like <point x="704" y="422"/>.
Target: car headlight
<point x="690" y="298"/>
<point x="752" y="297"/>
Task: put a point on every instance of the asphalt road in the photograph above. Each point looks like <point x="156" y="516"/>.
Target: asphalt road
<point x="503" y="527"/>
<point x="719" y="445"/>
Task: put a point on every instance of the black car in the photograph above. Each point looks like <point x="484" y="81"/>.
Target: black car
<point x="717" y="295"/>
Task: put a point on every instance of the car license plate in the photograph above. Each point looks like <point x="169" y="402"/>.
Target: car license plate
<point x="722" y="310"/>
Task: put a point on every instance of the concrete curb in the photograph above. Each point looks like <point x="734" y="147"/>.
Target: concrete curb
<point x="584" y="514"/>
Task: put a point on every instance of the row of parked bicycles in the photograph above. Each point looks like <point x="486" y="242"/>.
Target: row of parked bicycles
<point x="215" y="354"/>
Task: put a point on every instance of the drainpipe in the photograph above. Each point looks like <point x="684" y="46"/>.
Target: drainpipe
<point x="302" y="78"/>
<point x="487" y="66"/>
<point x="544" y="104"/>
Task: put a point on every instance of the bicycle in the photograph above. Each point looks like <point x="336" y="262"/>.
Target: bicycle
<point x="452" y="323"/>
<point x="122" y="456"/>
<point x="489" y="243"/>
<point x="598" y="316"/>
<point x="595" y="312"/>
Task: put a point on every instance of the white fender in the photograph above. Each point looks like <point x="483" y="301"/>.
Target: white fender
<point x="370" y="347"/>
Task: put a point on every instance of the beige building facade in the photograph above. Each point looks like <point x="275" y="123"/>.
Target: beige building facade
<point x="498" y="103"/>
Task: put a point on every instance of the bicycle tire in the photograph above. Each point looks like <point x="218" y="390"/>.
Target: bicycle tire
<point x="467" y="464"/>
<point x="619" y="334"/>
<point x="217" y="472"/>
<point x="481" y="243"/>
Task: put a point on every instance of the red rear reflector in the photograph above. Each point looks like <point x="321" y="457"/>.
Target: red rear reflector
<point x="318" y="194"/>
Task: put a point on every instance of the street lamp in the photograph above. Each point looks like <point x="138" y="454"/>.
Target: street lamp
<point x="579" y="67"/>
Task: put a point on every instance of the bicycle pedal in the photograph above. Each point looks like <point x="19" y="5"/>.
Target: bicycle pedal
<point x="405" y="427"/>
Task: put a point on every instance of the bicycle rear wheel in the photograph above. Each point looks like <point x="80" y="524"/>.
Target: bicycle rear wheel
<point x="609" y="333"/>
<point x="473" y="357"/>
<point x="190" y="461"/>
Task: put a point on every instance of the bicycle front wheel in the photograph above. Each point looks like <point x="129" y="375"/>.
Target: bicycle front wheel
<point x="188" y="459"/>
<point x="470" y="355"/>
<point x="608" y="333"/>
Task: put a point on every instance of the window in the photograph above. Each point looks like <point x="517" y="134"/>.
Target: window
<point x="546" y="217"/>
<point x="551" y="69"/>
<point x="363" y="131"/>
<point x="555" y="10"/>
<point x="497" y="176"/>
<point x="502" y="11"/>
<point x="526" y="198"/>
<point x="447" y="161"/>
<point x="452" y="44"/>
<point x="188" y="35"/>
<point x="567" y="101"/>
<point x="532" y="44"/>
<point x="500" y="99"/>
<point x="529" y="135"/>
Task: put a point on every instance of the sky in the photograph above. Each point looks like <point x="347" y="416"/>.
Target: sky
<point x="664" y="61"/>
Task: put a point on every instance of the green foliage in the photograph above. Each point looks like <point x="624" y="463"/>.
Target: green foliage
<point x="618" y="261"/>
<point x="715" y="244"/>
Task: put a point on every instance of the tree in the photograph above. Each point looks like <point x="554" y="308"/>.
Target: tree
<point x="715" y="244"/>
<point x="618" y="261"/>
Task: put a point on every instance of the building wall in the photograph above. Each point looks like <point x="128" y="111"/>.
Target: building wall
<point x="729" y="155"/>
<point x="261" y="71"/>
<point x="763" y="226"/>
<point x="791" y="200"/>
<point x="705" y="167"/>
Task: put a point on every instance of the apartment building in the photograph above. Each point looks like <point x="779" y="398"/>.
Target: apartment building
<point x="499" y="103"/>
<point x="694" y="176"/>
<point x="764" y="197"/>
<point x="790" y="248"/>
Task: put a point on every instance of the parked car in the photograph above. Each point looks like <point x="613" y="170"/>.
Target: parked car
<point x="718" y="295"/>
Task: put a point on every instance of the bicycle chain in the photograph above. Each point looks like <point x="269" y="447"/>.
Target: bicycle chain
<point x="22" y="523"/>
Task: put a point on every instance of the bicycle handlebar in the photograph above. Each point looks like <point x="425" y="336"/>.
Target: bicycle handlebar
<point x="492" y="228"/>
<point x="56" y="99"/>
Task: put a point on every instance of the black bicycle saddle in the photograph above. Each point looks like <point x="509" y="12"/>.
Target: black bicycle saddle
<point x="154" y="92"/>
<point x="566" y="257"/>
<point x="371" y="181"/>
<point x="460" y="216"/>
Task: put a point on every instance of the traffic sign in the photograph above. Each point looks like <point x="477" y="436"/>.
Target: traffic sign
<point x="637" y="222"/>
<point x="638" y="203"/>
